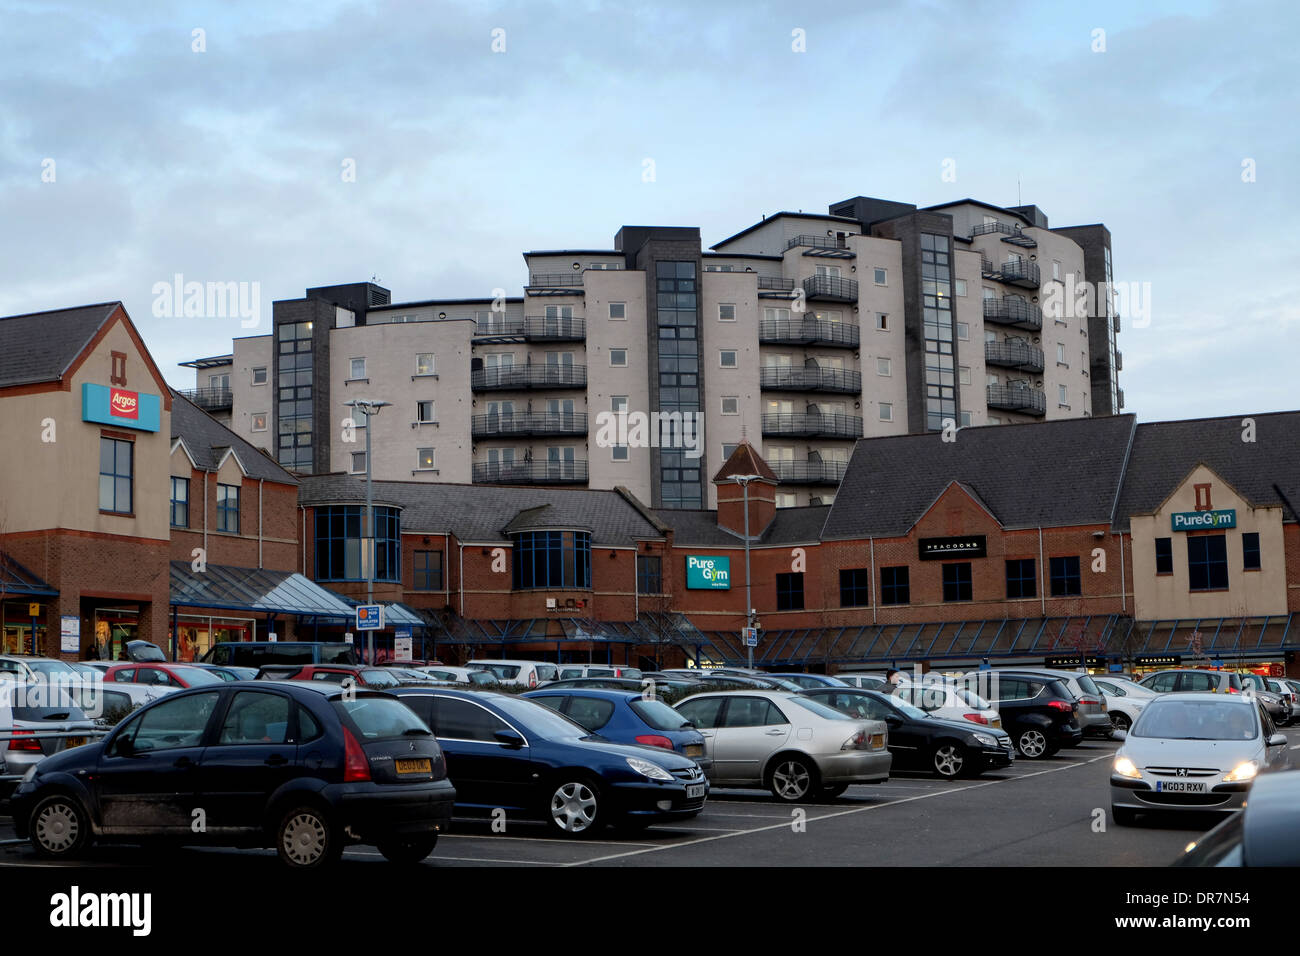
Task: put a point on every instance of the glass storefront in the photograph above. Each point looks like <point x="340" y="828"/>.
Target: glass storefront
<point x="197" y="635"/>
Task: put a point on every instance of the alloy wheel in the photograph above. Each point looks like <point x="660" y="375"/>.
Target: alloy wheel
<point x="791" y="780"/>
<point x="1033" y="743"/>
<point x="574" y="807"/>
<point x="948" y="760"/>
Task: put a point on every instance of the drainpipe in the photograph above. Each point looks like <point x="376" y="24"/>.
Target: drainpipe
<point x="1042" y="571"/>
<point x="461" y="580"/>
<point x="259" y="521"/>
<point x="206" y="472"/>
<point x="446" y="578"/>
<point x="302" y="539"/>
<point x="1123" y="587"/>
<point x="874" y="602"/>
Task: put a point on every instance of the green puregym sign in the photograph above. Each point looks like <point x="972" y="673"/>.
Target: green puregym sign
<point x="705" y="571"/>
<point x="1204" y="520"/>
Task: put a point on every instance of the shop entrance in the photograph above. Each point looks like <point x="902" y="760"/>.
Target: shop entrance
<point x="111" y="628"/>
<point x="195" y="634"/>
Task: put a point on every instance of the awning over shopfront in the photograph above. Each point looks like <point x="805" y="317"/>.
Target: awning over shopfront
<point x="16" y="580"/>
<point x="254" y="589"/>
<point x="649" y="628"/>
<point x="395" y="615"/>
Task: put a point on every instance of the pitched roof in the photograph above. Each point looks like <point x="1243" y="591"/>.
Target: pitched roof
<point x="745" y="460"/>
<point x="41" y="346"/>
<point x="700" y="528"/>
<point x="490" y="512"/>
<point x="1047" y="474"/>
<point x="207" y="441"/>
<point x="1265" y="471"/>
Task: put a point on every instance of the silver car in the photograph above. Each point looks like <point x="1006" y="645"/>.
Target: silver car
<point x="1270" y="692"/>
<point x="795" y="746"/>
<point x="1092" y="714"/>
<point x="38" y="719"/>
<point x="1193" y="752"/>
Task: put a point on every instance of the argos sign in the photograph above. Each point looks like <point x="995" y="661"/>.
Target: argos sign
<point x="117" y="406"/>
<point x="703" y="571"/>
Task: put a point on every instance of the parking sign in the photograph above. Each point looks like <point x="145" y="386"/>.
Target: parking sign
<point x="751" y="636"/>
<point x="370" y="617"/>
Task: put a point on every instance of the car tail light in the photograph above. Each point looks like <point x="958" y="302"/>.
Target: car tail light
<point x="28" y="744"/>
<point x="654" y="740"/>
<point x="857" y="742"/>
<point x="1088" y="700"/>
<point x="976" y="718"/>
<point x="879" y="741"/>
<point x="532" y="679"/>
<point x="1061" y="705"/>
<point x="1232" y="690"/>
<point x="356" y="768"/>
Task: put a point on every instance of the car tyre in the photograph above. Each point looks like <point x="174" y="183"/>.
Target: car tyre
<point x="407" y="851"/>
<point x="949" y="760"/>
<point x="1123" y="816"/>
<point x="1032" y="744"/>
<point x="58" y="828"/>
<point x="306" y="838"/>
<point x="793" y="780"/>
<point x="1120" y="721"/>
<point x="575" y="807"/>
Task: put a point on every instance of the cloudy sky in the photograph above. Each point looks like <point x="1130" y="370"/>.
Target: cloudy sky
<point x="128" y="157"/>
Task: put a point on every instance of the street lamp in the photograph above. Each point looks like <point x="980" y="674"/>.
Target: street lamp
<point x="370" y="409"/>
<point x="743" y="481"/>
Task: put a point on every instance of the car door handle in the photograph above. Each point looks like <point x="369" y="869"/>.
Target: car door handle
<point x="276" y="760"/>
<point x="776" y="733"/>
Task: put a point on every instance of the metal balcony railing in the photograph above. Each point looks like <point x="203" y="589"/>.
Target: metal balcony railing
<point x="528" y="376"/>
<point x="809" y="472"/>
<point x="1021" y="273"/>
<point x="528" y="423"/>
<point x="1017" y="355"/>
<point x="809" y="379"/>
<point x="544" y="328"/>
<point x="832" y="288"/>
<point x="1013" y="310"/>
<point x="775" y="284"/>
<point x="1017" y="398"/>
<point x="808" y="331"/>
<point x="812" y="424"/>
<point x="1119" y="361"/>
<point x="530" y="473"/>
<point x="210" y="399"/>
<point x="1012" y="232"/>
<point x="499" y="325"/>
<point x="818" y="242"/>
<point x="555" y="280"/>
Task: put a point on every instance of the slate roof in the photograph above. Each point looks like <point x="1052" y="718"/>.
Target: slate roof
<point x="1048" y="474"/>
<point x="207" y="440"/>
<point x="745" y="460"/>
<point x="40" y="346"/>
<point x="1164" y="453"/>
<point x="700" y="528"/>
<point x="486" y="512"/>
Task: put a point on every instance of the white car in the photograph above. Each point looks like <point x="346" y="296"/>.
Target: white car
<point x="1124" y="700"/>
<point x="530" y="674"/>
<point x="863" y="681"/>
<point x="939" y="699"/>
<point x="477" y="676"/>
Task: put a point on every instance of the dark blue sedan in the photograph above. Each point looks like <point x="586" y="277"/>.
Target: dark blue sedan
<point x="627" y="719"/>
<point x="505" y="752"/>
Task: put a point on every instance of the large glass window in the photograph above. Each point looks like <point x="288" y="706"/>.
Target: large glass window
<point x="228" y="508"/>
<point x="894" y="585"/>
<point x="180" y="502"/>
<point x="1065" y="576"/>
<point x="957" y="582"/>
<point x="855" y="587"/>
<point x="1021" y="582"/>
<point x="1207" y="562"/>
<point x="116" y="468"/>
<point x="936" y="301"/>
<point x="677" y="318"/>
<point x="338" y="543"/>
<point x="649" y="574"/>
<point x="552" y="559"/>
<point x="428" y="570"/>
<point x="789" y="592"/>
<point x="293" y="404"/>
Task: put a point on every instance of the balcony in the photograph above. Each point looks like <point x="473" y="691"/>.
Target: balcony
<point x="1017" y="355"/>
<point x="809" y="472"/>
<point x="530" y="473"/>
<point x="775" y="284"/>
<point x="544" y="328"/>
<point x="499" y="327"/>
<point x="808" y="331"/>
<point x="809" y="378"/>
<point x="812" y="425"/>
<point x="1012" y="234"/>
<point x="1013" y="310"/>
<point x="555" y="283"/>
<point x="830" y="247"/>
<point x="1017" y="398"/>
<point x="538" y="424"/>
<point x="211" y="399"/>
<point x="1022" y="273"/>
<point x="528" y="376"/>
<point x="1119" y="361"/>
<point x="830" y="288"/>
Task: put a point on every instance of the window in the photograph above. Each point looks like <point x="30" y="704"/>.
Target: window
<point x="358" y="463"/>
<point x="552" y="559"/>
<point x="618" y="310"/>
<point x="256" y="717"/>
<point x="727" y="358"/>
<point x="424" y="363"/>
<point x="753" y="712"/>
<point x="1060" y="354"/>
<point x="965" y="419"/>
<point x="428" y="570"/>
<point x="171" y="725"/>
<point x="1065" y="576"/>
<point x="1062" y="396"/>
<point x="649" y="574"/>
<point x="882" y="366"/>
<point x="116" y="468"/>
<point x="886" y="412"/>
<point x="894" y="585"/>
<point x="956" y="582"/>
<point x="1056" y="268"/>
<point x="259" y="375"/>
<point x="785" y="499"/>
<point x="1021" y="580"/>
<point x="731" y="404"/>
<point x="961" y="286"/>
<point x="855" y="587"/>
<point x="425" y="460"/>
<point x="357" y="368"/>
<point x="1164" y="556"/>
<point x="728" y="449"/>
<point x="618" y="452"/>
<point x="882" y="321"/>
<point x="618" y="358"/>
<point x="1207" y="562"/>
<point x="726" y="312"/>
<point x="963" y="374"/>
<point x="180" y="502"/>
<point x="228" y="508"/>
<point x="618" y="404"/>
<point x="466" y="720"/>
<point x="1250" y="551"/>
<point x="963" y="331"/>
<point x="338" y="543"/>
<point x="703" y="712"/>
<point x="789" y="592"/>
<point x="259" y="422"/>
<point x="881" y="277"/>
<point x="424" y="412"/>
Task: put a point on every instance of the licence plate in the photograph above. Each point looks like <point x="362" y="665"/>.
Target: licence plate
<point x="1179" y="786"/>
<point x="74" y="742"/>
<point x="694" y="790"/>
<point x="695" y="750"/>
<point x="422" y="765"/>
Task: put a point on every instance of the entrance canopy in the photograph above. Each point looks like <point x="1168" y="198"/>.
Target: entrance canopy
<point x="253" y="589"/>
<point x="16" y="579"/>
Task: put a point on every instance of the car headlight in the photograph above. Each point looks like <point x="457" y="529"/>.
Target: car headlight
<point x="647" y="769"/>
<point x="986" y="740"/>
<point x="1125" y="768"/>
<point x="1242" y="772"/>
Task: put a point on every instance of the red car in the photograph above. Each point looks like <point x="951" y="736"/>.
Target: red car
<point x="376" y="677"/>
<point x="168" y="675"/>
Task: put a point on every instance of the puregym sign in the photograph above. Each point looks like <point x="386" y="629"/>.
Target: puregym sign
<point x="1204" y="520"/>
<point x="704" y="571"/>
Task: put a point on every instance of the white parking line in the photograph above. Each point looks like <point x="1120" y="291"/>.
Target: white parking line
<point x="1296" y="747"/>
<point x="533" y="839"/>
<point x="841" y="813"/>
<point x="470" y="859"/>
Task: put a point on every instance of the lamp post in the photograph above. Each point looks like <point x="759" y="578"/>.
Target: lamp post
<point x="743" y="481"/>
<point x="370" y="408"/>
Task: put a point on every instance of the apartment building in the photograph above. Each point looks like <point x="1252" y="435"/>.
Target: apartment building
<point x="801" y="333"/>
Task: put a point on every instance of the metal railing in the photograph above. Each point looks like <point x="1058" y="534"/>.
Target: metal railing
<point x="529" y="423"/>
<point x="1013" y="310"/>
<point x="555" y="280"/>
<point x="809" y="472"/>
<point x="1018" y="237"/>
<point x="499" y="325"/>
<point x="86" y="735"/>
<point x="809" y="379"/>
<point x="812" y="424"/>
<point x="818" y="242"/>
<point x="809" y="331"/>
<point x="1019" y="355"/>
<point x="1021" y="272"/>
<point x="528" y="376"/>
<point x="775" y="284"/>
<point x="530" y="473"/>
<point x="831" y="287"/>
<point x="544" y="328"/>
<point x="209" y="399"/>
<point x="1017" y="398"/>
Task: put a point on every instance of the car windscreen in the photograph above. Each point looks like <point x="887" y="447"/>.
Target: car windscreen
<point x="52" y="668"/>
<point x="1170" y="718"/>
<point x="820" y="709"/>
<point x="382" y="718"/>
<point x="504" y="671"/>
<point x="659" y="715"/>
<point x="539" y="719"/>
<point x="194" y="676"/>
<point x="378" y="678"/>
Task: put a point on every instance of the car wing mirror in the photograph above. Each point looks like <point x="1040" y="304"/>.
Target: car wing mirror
<point x="511" y="738"/>
<point x="894" y="721"/>
<point x="1277" y="740"/>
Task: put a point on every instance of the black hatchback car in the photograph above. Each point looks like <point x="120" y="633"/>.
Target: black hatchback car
<point x="1038" y="712"/>
<point x="918" y="741"/>
<point x="303" y="767"/>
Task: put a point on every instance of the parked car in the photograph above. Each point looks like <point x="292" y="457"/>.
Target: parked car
<point x="1124" y="702"/>
<point x="921" y="741"/>
<point x="23" y="667"/>
<point x="1113" y="686"/>
<point x="1091" y="715"/>
<point x="1038" y="712"/>
<point x="605" y="683"/>
<point x="378" y="678"/>
<point x="811" y="680"/>
<point x="1193" y="752"/>
<point x="514" y="754"/>
<point x="862" y="680"/>
<point x="795" y="746"/>
<point x="107" y="703"/>
<point x="169" y="675"/>
<point x="625" y="718"/>
<point x="229" y="672"/>
<point x="417" y="664"/>
<point x="410" y="675"/>
<point x="571" y="671"/>
<point x="1192" y="681"/>
<point x="1275" y="698"/>
<point x="28" y="714"/>
<point x="1262" y="834"/>
<point x="143" y="652"/>
<point x="257" y="653"/>
<point x="462" y="675"/>
<point x="733" y="680"/>
<point x="373" y="773"/>
<point x="100" y="667"/>
<point x="84" y="669"/>
<point x="949" y="702"/>
<point x="528" y="674"/>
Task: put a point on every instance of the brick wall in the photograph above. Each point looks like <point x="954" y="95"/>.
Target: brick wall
<point x="280" y="526"/>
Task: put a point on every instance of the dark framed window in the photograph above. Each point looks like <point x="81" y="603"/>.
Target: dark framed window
<point x="1022" y="581"/>
<point x="338" y="543"/>
<point x="1065" y="576"/>
<point x="789" y="591"/>
<point x="1207" y="562"/>
<point x="552" y="559"/>
<point x="1164" y="555"/>
<point x="1250" y="551"/>
<point x="116" y="475"/>
<point x="649" y="574"/>
<point x="180" y="502"/>
<point x="895" y="586"/>
<point x="428" y="570"/>
<point x="228" y="508"/>
<point x="956" y="581"/>
<point x="855" y="587"/>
